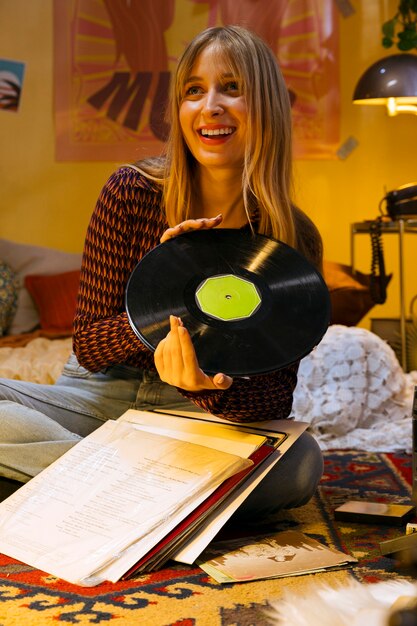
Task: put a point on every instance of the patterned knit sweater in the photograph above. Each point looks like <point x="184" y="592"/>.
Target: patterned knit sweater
<point x="128" y="222"/>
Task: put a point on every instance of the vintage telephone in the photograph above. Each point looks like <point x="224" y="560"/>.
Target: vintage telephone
<point x="401" y="203"/>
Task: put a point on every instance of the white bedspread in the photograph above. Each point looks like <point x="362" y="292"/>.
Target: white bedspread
<point x="40" y="361"/>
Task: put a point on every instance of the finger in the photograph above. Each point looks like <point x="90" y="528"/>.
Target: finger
<point x="193" y="375"/>
<point x="221" y="381"/>
<point x="167" y="356"/>
<point x="175" y="347"/>
<point x="203" y="223"/>
<point x="170" y="233"/>
<point x="158" y="358"/>
<point x="189" y="356"/>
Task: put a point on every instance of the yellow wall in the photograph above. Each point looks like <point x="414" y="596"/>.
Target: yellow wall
<point x="49" y="203"/>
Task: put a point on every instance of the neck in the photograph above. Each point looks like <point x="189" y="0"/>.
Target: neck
<point x="221" y="193"/>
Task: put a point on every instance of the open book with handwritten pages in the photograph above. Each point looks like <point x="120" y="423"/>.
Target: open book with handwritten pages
<point x="138" y="491"/>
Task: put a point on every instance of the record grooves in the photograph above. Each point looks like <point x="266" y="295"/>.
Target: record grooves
<point x="250" y="303"/>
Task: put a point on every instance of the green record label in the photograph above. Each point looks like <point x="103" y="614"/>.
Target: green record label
<point x="228" y="298"/>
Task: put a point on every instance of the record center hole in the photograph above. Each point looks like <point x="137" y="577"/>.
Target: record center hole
<point x="228" y="296"/>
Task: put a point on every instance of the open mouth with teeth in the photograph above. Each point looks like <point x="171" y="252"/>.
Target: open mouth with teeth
<point x="216" y="132"/>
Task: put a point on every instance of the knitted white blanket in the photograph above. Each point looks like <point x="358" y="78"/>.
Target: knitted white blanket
<point x="354" y="393"/>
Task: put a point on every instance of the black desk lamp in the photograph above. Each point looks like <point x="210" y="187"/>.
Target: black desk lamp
<point x="392" y="82"/>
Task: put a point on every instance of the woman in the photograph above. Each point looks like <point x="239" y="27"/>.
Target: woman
<point x="227" y="165"/>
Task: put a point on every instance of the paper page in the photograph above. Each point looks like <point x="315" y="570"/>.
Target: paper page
<point x="110" y="490"/>
<point x="214" y="435"/>
<point x="127" y="558"/>
<point x="265" y="427"/>
<point x="192" y="549"/>
<point x="133" y="553"/>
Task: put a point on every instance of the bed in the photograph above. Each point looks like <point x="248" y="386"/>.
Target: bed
<point x="38" y="288"/>
<point x="351" y="388"/>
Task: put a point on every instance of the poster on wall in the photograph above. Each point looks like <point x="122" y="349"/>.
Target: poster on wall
<point x="114" y="58"/>
<point x="11" y="83"/>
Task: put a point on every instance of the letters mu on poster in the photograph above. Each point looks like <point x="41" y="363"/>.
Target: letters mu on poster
<point x="114" y="60"/>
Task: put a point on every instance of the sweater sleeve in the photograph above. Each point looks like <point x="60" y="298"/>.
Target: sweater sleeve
<point x="254" y="399"/>
<point x="126" y="223"/>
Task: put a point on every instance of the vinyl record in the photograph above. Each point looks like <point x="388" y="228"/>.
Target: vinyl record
<point x="250" y="303"/>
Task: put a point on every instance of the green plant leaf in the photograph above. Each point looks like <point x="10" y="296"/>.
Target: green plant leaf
<point x="407" y="35"/>
<point x="405" y="45"/>
<point x="402" y="28"/>
<point x="388" y="28"/>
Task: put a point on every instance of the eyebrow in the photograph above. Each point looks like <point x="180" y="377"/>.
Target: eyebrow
<point x="191" y="79"/>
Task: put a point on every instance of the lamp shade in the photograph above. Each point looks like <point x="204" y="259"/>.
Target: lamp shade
<point x="394" y="76"/>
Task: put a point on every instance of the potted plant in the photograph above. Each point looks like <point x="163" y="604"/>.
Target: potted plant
<point x="401" y="30"/>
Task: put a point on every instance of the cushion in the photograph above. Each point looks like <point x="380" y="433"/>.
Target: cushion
<point x="26" y="259"/>
<point x="350" y="294"/>
<point x="8" y="296"/>
<point x="55" y="297"/>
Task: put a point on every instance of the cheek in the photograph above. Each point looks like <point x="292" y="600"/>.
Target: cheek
<point x="186" y="126"/>
<point x="243" y="113"/>
<point x="182" y="118"/>
<point x="186" y="118"/>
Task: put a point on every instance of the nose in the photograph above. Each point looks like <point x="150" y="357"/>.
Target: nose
<point x="213" y="104"/>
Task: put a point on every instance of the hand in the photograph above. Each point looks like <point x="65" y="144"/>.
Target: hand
<point x="177" y="365"/>
<point x="203" y="223"/>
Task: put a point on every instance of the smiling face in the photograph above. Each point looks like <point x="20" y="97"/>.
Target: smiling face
<point x="213" y="113"/>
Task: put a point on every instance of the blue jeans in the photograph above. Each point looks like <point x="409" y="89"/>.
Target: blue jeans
<point x="38" y="423"/>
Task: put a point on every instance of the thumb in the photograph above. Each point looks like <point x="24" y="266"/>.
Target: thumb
<point x="221" y="381"/>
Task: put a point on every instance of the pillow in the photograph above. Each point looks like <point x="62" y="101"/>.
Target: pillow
<point x="350" y="294"/>
<point x="55" y="297"/>
<point x="26" y="259"/>
<point x="8" y="296"/>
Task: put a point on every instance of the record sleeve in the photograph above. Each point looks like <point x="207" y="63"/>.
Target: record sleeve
<point x="251" y="304"/>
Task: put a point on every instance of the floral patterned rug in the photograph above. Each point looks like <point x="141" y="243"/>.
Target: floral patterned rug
<point x="186" y="596"/>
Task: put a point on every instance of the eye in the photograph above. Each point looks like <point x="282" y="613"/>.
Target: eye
<point x="232" y="86"/>
<point x="193" y="90"/>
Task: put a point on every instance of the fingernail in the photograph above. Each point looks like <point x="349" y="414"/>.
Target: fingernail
<point x="220" y="379"/>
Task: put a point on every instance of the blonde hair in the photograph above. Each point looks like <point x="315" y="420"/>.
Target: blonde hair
<point x="267" y="171"/>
